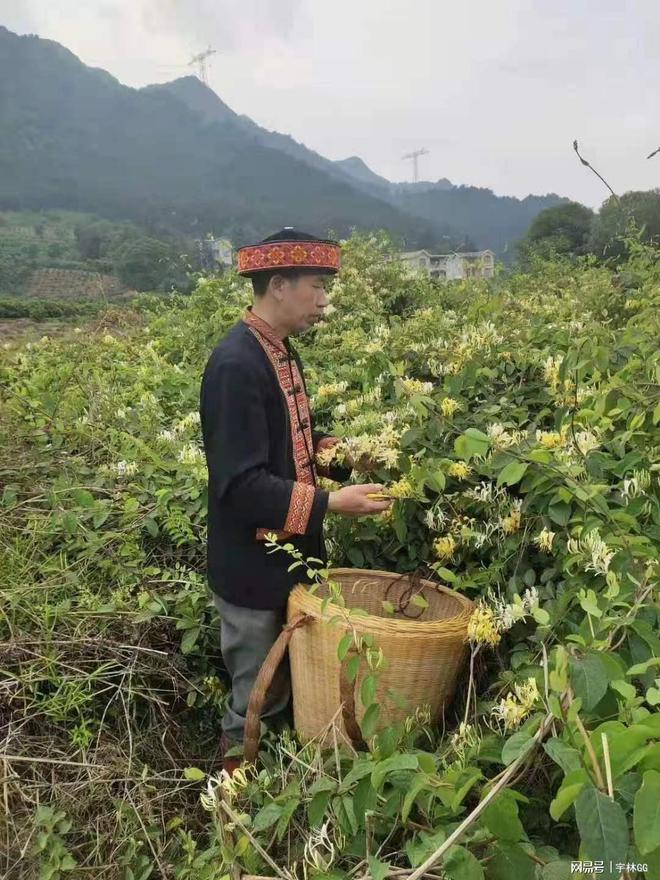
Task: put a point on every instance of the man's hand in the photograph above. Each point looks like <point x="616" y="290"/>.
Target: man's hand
<point x="363" y="465"/>
<point x="353" y="500"/>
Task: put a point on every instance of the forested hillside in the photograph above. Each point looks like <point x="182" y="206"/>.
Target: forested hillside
<point x="176" y="158"/>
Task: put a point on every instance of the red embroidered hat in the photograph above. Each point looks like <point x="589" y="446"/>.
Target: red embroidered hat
<point x="289" y="249"/>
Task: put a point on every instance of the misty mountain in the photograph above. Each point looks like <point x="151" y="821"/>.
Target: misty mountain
<point x="176" y="158"/>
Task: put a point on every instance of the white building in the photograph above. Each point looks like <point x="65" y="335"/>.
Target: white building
<point x="476" y="264"/>
<point x="216" y="253"/>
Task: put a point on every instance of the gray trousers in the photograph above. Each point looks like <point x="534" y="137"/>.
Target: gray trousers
<point x="246" y="637"/>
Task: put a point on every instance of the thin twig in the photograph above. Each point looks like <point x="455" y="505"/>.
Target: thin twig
<point x="255" y="843"/>
<point x="469" y="820"/>
<point x="608" y="765"/>
<point x="590" y="751"/>
<point x="584" y="162"/>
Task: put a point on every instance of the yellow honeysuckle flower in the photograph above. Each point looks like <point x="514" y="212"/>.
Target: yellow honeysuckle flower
<point x="445" y="547"/>
<point x="459" y="469"/>
<point x="448" y="406"/>
<point x="482" y="626"/>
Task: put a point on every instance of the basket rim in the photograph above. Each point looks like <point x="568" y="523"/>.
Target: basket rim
<point x="403" y="626"/>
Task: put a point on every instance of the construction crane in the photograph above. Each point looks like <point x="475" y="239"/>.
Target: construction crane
<point x="200" y="60"/>
<point x="414" y="156"/>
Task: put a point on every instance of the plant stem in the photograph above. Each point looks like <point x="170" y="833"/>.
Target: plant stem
<point x="478" y="810"/>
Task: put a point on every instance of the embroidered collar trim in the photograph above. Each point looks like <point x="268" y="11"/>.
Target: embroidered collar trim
<point x="265" y="329"/>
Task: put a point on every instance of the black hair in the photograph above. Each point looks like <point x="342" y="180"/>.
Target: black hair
<point x="260" y="280"/>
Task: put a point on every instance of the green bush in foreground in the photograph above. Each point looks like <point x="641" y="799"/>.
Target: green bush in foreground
<point x="518" y="422"/>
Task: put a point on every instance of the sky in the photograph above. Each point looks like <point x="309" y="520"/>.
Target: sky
<point x="495" y="90"/>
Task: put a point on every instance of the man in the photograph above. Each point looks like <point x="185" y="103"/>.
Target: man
<point x="260" y="443"/>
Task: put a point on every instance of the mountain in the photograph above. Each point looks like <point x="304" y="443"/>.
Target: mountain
<point x="472" y="216"/>
<point x="359" y="170"/>
<point x="176" y="158"/>
<point x="73" y="137"/>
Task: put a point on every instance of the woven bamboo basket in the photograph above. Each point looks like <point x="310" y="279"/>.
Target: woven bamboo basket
<point x="424" y="656"/>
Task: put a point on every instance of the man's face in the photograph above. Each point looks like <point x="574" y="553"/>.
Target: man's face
<point x="304" y="301"/>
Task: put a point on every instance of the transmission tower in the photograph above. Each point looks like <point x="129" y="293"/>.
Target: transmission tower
<point x="414" y="156"/>
<point x="200" y="61"/>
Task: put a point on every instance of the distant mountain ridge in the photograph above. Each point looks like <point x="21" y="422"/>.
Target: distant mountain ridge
<point x="176" y="157"/>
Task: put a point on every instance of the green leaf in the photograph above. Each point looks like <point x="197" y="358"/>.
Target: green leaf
<point x="420" y="601"/>
<point x="418" y="784"/>
<point x="317" y="807"/>
<point x="460" y="864"/>
<point x="356" y="556"/>
<point x="377" y="869"/>
<point x="471" y="443"/>
<point x="562" y="754"/>
<point x="641" y="668"/>
<point x="288" y="810"/>
<point x="465" y="782"/>
<point x="352" y="668"/>
<point x="560" y="513"/>
<point x="323" y="783"/>
<point x="501" y="818"/>
<point x="653" y="696"/>
<point x="344" y="645"/>
<point x="267" y="816"/>
<point x="515" y="746"/>
<point x="194" y="774"/>
<point x="370" y="720"/>
<point x="603" y="828"/>
<point x="83" y="498"/>
<point x="395" y="763"/>
<point x="541" y="616"/>
<point x="446" y="574"/>
<point x="361" y="768"/>
<point x="589" y="679"/>
<point x="627" y="691"/>
<point x="365" y="798"/>
<point x="368" y="690"/>
<point x="646" y="818"/>
<point x="189" y="639"/>
<point x="560" y="870"/>
<point x="510" y="860"/>
<point x="421" y="847"/>
<point x="436" y="481"/>
<point x="151" y="526"/>
<point x="512" y="473"/>
<point x="568" y="792"/>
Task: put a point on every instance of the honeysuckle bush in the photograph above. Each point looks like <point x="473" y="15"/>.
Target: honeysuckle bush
<point x="516" y="422"/>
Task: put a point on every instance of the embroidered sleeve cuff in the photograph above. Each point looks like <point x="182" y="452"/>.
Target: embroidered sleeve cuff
<point x="307" y="508"/>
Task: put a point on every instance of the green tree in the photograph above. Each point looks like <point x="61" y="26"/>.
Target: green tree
<point x="146" y="264"/>
<point x="641" y="208"/>
<point x="96" y="238"/>
<point x="561" y="230"/>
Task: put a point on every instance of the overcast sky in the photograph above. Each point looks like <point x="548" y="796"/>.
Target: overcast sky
<point x="496" y="90"/>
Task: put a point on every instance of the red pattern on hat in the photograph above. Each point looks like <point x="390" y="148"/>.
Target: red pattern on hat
<point x="288" y="255"/>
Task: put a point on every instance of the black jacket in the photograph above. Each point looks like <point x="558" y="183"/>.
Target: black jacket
<point x="247" y="434"/>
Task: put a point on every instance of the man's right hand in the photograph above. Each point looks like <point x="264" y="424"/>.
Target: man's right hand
<point x="353" y="501"/>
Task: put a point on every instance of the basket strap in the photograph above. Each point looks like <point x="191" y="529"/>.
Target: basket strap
<point x="262" y="684"/>
<point x="347" y="697"/>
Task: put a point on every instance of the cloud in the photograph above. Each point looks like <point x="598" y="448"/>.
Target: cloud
<point x="495" y="91"/>
<point x="229" y="25"/>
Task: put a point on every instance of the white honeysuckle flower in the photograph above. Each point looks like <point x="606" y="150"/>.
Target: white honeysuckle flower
<point x="319" y="850"/>
<point x="125" y="468"/>
<point x="190" y="454"/>
<point x="595" y="553"/>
